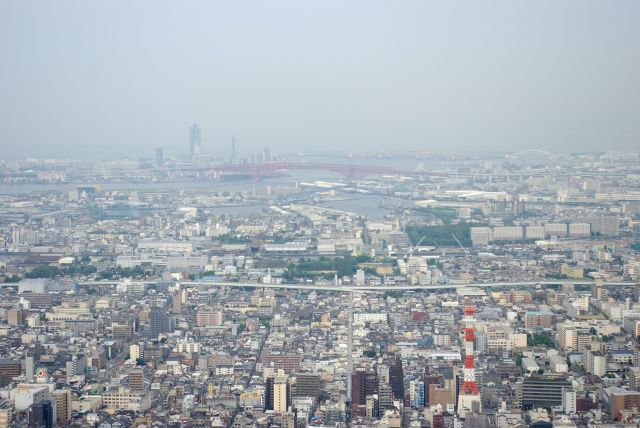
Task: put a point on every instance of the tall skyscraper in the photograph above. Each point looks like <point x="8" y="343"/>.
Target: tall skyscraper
<point x="194" y="141"/>
<point x="233" y="149"/>
<point x="396" y="379"/>
<point x="280" y="393"/>
<point x="268" y="393"/>
<point x="159" y="322"/>
<point x="41" y="415"/>
<point x="159" y="156"/>
<point x="29" y="368"/>
<point x="429" y="379"/>
<point x="363" y="384"/>
<point x="62" y="401"/>
<point x="358" y="391"/>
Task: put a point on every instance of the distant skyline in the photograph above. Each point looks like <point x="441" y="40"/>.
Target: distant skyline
<point x="120" y="78"/>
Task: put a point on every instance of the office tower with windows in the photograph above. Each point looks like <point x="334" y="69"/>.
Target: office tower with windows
<point x="159" y="322"/>
<point x="194" y="143"/>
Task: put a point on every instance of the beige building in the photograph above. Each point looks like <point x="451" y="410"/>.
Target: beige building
<point x="280" y="385"/>
<point x="209" y="317"/>
<point x="123" y="399"/>
<point x="62" y="400"/>
<point x="6" y="418"/>
<point x="15" y="316"/>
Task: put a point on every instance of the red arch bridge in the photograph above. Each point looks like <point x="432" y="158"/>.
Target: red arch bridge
<point x="261" y="170"/>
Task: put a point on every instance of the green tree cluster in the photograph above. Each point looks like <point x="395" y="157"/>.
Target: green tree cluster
<point x="49" y="272"/>
<point x="446" y="215"/>
<point x="233" y="239"/>
<point x="343" y="266"/>
<point x="134" y="272"/>
<point x="537" y="339"/>
<point x="441" y="236"/>
<point x="370" y="353"/>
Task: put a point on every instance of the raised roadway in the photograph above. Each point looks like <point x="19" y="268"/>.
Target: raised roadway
<point x="372" y="289"/>
<point x="383" y="288"/>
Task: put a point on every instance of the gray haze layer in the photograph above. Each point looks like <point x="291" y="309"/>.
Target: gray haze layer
<point x="119" y="78"/>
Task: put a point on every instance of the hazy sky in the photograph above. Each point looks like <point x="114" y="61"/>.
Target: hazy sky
<point x="119" y="78"/>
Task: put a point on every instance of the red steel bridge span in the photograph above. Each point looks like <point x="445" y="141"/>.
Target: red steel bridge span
<point x="258" y="171"/>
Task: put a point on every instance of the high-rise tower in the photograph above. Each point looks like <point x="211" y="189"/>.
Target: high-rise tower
<point x="194" y="141"/>
<point x="396" y="378"/>
<point x="159" y="322"/>
<point x="233" y="149"/>
<point x="469" y="402"/>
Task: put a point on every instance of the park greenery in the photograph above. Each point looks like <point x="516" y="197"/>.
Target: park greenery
<point x="445" y="215"/>
<point x="233" y="239"/>
<point x="540" y="339"/>
<point x="48" y="272"/>
<point x="370" y="353"/>
<point x="442" y="235"/>
<point x="342" y="266"/>
<point x="120" y="272"/>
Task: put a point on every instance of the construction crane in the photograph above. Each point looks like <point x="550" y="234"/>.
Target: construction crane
<point x="410" y="252"/>
<point x="466" y="252"/>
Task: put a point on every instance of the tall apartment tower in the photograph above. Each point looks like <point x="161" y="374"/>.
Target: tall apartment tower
<point x="62" y="400"/>
<point x="469" y="402"/>
<point x="396" y="379"/>
<point x="194" y="140"/>
<point x="280" y="393"/>
<point x="159" y="322"/>
<point x="358" y="392"/>
<point x="159" y="156"/>
<point x="41" y="414"/>
<point x="268" y="393"/>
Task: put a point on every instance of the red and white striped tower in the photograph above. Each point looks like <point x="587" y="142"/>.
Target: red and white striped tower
<point x="469" y="399"/>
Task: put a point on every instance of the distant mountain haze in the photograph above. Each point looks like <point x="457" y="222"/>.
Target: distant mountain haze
<point x="120" y="78"/>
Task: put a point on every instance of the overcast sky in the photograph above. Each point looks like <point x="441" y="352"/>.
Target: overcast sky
<point x="119" y="78"/>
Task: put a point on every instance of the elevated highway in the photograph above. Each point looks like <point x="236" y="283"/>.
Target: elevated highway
<point x="364" y="289"/>
<point x="384" y="288"/>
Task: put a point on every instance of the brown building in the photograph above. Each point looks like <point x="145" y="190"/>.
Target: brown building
<point x="286" y="362"/>
<point x="39" y="300"/>
<point x="61" y="398"/>
<point x="442" y="395"/>
<point x="620" y="401"/>
<point x="122" y="331"/>
<point x="429" y="380"/>
<point x="363" y="384"/>
<point x="518" y="296"/>
<point x="15" y="316"/>
<point x="209" y="317"/>
<point x="136" y="380"/>
<point x="539" y="319"/>
<point x="10" y="368"/>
